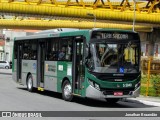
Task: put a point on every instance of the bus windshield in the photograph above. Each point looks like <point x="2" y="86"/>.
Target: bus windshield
<point x="114" y="57"/>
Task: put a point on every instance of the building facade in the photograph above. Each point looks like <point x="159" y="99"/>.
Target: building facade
<point x="9" y="38"/>
<point x="2" y="46"/>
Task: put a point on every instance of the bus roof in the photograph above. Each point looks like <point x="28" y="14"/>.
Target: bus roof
<point x="64" y="33"/>
<point x="51" y="35"/>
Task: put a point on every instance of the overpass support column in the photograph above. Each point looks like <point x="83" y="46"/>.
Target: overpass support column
<point x="153" y="38"/>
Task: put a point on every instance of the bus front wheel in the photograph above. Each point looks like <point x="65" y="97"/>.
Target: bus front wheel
<point x="67" y="91"/>
<point x="112" y="100"/>
<point x="30" y="83"/>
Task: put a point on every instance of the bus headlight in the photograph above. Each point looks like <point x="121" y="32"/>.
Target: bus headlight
<point x="93" y="84"/>
<point x="97" y="86"/>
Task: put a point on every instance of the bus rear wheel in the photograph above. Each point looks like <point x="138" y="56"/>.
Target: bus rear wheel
<point x="67" y="91"/>
<point x="30" y="83"/>
<point x="112" y="100"/>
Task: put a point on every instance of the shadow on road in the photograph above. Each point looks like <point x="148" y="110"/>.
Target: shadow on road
<point x="95" y="103"/>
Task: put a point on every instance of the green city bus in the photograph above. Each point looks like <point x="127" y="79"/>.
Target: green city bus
<point x="99" y="63"/>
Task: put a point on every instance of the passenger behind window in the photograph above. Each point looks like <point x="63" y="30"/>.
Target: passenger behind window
<point x="53" y="55"/>
<point x="33" y="55"/>
<point x="62" y="54"/>
<point x="25" y="56"/>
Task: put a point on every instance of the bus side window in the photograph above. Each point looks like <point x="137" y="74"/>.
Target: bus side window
<point x="33" y="50"/>
<point x="25" y="56"/>
<point x="52" y="55"/>
<point x="30" y="49"/>
<point x="52" y="49"/>
<point x="65" y="48"/>
<point x="26" y="50"/>
<point x="62" y="54"/>
<point x="69" y="53"/>
<point x="34" y="55"/>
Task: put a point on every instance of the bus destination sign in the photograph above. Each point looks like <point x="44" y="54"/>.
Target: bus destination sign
<point x="118" y="36"/>
<point x="113" y="35"/>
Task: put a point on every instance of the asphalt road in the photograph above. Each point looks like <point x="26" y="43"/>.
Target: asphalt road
<point x="16" y="98"/>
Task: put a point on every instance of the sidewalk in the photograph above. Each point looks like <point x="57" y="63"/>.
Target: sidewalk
<point x="149" y="98"/>
<point x="6" y="71"/>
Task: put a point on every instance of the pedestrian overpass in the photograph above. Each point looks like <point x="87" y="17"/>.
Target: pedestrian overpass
<point x="46" y="14"/>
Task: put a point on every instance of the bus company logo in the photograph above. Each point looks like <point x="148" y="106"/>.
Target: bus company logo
<point x="34" y="66"/>
<point x="6" y="114"/>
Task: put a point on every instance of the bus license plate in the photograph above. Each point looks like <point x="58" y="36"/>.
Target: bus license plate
<point x="118" y="93"/>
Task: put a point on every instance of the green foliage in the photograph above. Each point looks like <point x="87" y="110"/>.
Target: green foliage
<point x="144" y="79"/>
<point x="151" y="91"/>
<point x="154" y="88"/>
<point x="156" y="84"/>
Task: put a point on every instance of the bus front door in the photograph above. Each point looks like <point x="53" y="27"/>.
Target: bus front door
<point x="40" y="64"/>
<point x="78" y="68"/>
<point x="19" y="63"/>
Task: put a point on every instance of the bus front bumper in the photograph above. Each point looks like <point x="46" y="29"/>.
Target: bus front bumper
<point x="92" y="92"/>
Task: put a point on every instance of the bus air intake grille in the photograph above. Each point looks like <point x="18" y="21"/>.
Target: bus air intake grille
<point x="112" y="78"/>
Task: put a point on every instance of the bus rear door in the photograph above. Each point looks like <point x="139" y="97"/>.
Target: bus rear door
<point x="19" y="63"/>
<point x="40" y="64"/>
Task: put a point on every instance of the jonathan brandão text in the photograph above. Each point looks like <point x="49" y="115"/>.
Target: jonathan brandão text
<point x="141" y="114"/>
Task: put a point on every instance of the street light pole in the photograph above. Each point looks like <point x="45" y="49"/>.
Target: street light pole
<point x="93" y="15"/>
<point x="134" y="15"/>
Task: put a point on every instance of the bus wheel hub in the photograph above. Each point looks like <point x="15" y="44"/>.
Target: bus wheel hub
<point x="30" y="83"/>
<point x="67" y="90"/>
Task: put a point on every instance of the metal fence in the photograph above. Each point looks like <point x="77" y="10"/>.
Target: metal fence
<point x="150" y="81"/>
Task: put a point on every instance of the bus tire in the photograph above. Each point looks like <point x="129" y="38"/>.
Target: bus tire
<point x="30" y="83"/>
<point x="67" y="91"/>
<point x="112" y="100"/>
<point x="6" y="67"/>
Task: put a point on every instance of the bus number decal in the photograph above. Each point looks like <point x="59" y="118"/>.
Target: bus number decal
<point x="127" y="85"/>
